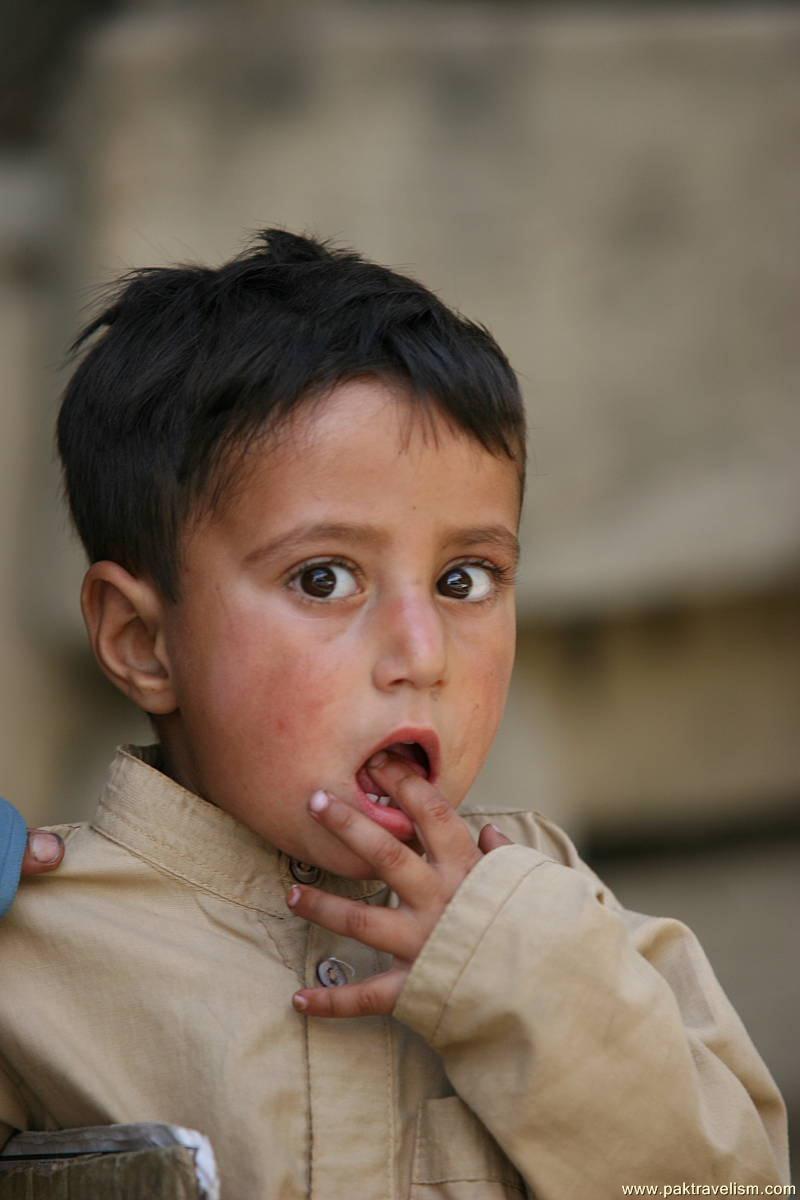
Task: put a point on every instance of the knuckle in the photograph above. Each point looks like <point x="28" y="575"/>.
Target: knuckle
<point x="342" y="817"/>
<point x="357" y="921"/>
<point x="438" y="809"/>
<point x="367" y="1001"/>
<point x="324" y="1003"/>
<point x="338" y="1002"/>
<point x="389" y="853"/>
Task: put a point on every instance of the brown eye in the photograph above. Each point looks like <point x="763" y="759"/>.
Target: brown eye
<point x="461" y="586"/>
<point x="318" y="581"/>
<point x="323" y="581"/>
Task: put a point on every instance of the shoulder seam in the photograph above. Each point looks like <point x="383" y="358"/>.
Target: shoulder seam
<point x="159" y="869"/>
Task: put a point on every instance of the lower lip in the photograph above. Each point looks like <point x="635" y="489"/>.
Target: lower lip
<point x="397" y="823"/>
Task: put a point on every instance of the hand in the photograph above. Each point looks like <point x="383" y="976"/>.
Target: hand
<point x="424" y="887"/>
<point x="43" y="852"/>
<point x="23" y="852"/>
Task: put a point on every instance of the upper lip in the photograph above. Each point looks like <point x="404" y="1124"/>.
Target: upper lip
<point x="427" y="738"/>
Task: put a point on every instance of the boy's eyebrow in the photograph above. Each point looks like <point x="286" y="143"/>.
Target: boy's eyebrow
<point x="369" y="535"/>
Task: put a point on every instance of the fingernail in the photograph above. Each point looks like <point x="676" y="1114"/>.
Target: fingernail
<point x="299" y="1002"/>
<point x="294" y="896"/>
<point x="319" y="802"/>
<point x="494" y="827"/>
<point x="379" y="759"/>
<point x="45" y="847"/>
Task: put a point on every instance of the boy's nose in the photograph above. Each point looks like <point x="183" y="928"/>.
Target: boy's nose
<point x="411" y="643"/>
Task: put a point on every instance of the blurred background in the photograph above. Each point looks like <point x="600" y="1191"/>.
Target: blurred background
<point x="615" y="192"/>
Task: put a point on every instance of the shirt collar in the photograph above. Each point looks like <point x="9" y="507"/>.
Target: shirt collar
<point x="155" y="818"/>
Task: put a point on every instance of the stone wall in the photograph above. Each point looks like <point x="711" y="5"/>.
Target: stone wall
<point x="616" y="197"/>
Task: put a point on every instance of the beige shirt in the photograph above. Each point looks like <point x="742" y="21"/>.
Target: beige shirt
<point x="547" y="1042"/>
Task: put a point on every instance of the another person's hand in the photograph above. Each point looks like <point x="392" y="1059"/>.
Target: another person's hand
<point x="43" y="852"/>
<point x="23" y="852"/>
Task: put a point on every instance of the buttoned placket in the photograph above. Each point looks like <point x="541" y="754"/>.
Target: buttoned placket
<point x="304" y="872"/>
<point x="347" y="1081"/>
<point x="350" y="1071"/>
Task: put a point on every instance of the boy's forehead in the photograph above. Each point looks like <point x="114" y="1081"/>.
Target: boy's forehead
<point x="365" y="452"/>
<point x="385" y="411"/>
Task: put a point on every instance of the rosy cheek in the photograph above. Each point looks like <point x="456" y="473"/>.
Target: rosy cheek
<point x="312" y="694"/>
<point x="488" y="689"/>
<point x="295" y="696"/>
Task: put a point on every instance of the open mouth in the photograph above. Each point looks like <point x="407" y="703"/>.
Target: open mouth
<point x="413" y="752"/>
<point x="421" y="758"/>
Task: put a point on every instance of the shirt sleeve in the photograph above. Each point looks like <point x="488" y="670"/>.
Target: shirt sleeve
<point x="595" y="1044"/>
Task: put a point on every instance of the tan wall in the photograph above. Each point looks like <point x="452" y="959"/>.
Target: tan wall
<point x="615" y="196"/>
<point x="653" y="723"/>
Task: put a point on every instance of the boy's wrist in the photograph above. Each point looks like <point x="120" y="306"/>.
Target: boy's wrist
<point x="456" y="938"/>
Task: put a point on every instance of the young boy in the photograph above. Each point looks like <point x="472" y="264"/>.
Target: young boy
<point x="298" y="479"/>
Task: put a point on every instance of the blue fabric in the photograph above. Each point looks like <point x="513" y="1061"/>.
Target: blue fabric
<point x="13" y="837"/>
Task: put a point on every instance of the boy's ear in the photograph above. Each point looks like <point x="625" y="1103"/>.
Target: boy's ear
<point x="124" y="619"/>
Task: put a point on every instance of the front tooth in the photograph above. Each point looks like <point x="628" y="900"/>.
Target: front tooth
<point x="384" y="800"/>
<point x="372" y="796"/>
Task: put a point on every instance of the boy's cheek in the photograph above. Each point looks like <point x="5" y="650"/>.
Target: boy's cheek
<point x="482" y="720"/>
<point x="282" y="701"/>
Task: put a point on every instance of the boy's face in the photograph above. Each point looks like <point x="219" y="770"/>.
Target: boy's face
<point x="287" y="677"/>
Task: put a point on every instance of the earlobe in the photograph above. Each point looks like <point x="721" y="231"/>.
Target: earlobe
<point x="123" y="618"/>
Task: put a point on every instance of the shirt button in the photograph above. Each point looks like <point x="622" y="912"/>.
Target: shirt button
<point x="304" y="872"/>
<point x="332" y="972"/>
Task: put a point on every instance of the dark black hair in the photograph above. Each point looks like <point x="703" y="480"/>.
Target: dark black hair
<point x="195" y="363"/>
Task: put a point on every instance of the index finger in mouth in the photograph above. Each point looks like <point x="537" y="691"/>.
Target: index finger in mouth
<point x="432" y="813"/>
<point x="394" y="862"/>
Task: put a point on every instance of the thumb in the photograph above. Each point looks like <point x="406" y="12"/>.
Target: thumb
<point x="491" y="838"/>
<point x="43" y="852"/>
